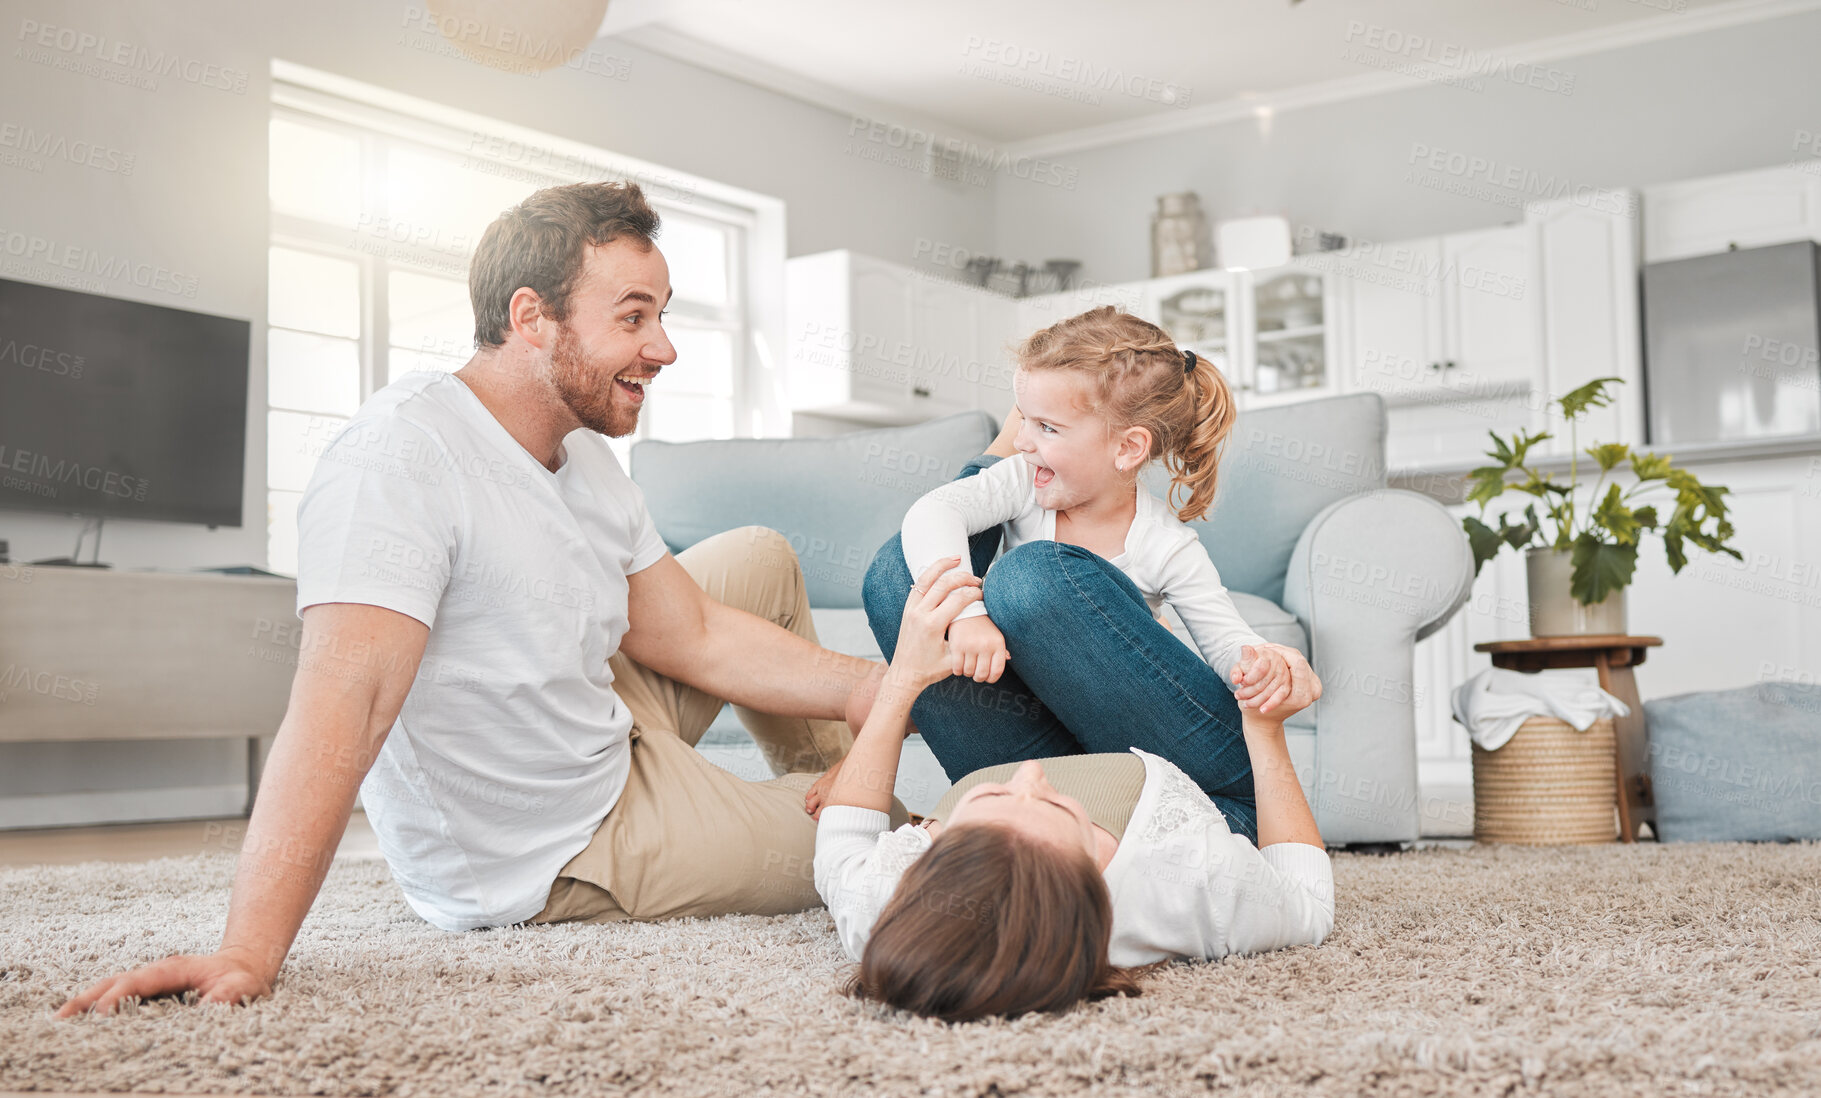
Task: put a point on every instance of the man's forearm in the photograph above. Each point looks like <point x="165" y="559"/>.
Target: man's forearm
<point x="1283" y="811"/>
<point x="305" y="799"/>
<point x="749" y="661"/>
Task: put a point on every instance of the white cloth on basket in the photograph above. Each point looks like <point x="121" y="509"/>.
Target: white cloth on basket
<point x="1493" y="703"/>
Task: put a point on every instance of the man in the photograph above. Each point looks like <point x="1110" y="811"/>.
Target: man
<point x="496" y="640"/>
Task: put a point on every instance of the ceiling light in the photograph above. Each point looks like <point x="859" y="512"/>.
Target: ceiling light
<point x="519" y="35"/>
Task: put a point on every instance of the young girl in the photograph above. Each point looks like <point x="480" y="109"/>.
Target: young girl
<point x="1018" y="896"/>
<point x="1101" y="396"/>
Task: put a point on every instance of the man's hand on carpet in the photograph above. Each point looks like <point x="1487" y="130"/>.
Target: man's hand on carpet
<point x="818" y="793"/>
<point x="225" y="977"/>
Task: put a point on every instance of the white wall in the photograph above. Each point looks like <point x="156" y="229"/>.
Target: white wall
<point x="195" y="204"/>
<point x="1678" y="108"/>
<point x="195" y="201"/>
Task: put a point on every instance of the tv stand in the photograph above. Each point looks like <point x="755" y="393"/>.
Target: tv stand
<point x="93" y="653"/>
<point x="66" y="562"/>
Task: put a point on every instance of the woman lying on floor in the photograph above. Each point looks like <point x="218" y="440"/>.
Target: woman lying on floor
<point x="1016" y="896"/>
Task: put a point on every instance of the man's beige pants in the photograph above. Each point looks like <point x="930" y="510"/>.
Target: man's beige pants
<point x="686" y="837"/>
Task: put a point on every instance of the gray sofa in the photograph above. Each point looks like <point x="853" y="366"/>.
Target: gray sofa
<point x="1317" y="552"/>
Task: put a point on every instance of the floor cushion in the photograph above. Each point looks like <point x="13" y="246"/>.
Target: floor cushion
<point x="1737" y="765"/>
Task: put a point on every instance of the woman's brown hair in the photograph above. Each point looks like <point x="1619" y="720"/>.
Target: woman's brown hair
<point x="991" y="922"/>
<point x="1142" y="379"/>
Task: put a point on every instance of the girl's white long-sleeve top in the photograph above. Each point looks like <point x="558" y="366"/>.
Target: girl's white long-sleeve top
<point x="1162" y="556"/>
<point x="1184" y="886"/>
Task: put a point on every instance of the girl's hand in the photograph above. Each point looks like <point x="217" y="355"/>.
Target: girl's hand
<point x="978" y="649"/>
<point x="923" y="656"/>
<point x="1275" y="680"/>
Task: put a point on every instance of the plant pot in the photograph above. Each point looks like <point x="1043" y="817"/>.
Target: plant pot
<point x="1554" y="611"/>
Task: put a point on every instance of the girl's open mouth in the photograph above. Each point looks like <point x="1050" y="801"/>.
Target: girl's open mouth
<point x="1044" y="476"/>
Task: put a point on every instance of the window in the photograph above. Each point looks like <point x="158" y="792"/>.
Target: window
<point x="375" y="213"/>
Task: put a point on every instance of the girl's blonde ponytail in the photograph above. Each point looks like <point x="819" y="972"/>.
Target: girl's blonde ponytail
<point x="1194" y="464"/>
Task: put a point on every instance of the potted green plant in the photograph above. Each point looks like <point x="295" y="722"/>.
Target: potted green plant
<point x="1578" y="567"/>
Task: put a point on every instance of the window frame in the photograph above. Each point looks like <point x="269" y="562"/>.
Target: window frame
<point x="382" y="120"/>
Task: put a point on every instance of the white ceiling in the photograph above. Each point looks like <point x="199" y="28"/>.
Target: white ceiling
<point x="1019" y="71"/>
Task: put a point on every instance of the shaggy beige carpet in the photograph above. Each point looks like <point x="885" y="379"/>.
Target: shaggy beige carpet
<point x="1605" y="971"/>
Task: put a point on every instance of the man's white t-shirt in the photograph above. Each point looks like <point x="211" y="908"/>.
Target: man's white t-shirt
<point x="512" y="746"/>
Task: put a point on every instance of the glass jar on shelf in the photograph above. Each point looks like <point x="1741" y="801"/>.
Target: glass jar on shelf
<point x="1195" y="314"/>
<point x="1288" y="301"/>
<point x="1288" y="364"/>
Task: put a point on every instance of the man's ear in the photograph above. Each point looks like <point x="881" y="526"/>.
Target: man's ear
<point x="526" y="313"/>
<point x="1134" y="449"/>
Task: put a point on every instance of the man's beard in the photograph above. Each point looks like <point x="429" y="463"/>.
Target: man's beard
<point x="585" y="391"/>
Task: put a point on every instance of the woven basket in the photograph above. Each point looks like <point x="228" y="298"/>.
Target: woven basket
<point x="1550" y="785"/>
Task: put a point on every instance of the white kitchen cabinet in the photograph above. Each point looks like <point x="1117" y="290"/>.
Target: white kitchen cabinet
<point x="1451" y="344"/>
<point x="842" y="314"/>
<point x="1743" y="209"/>
<point x="1201" y="312"/>
<point x="1489" y="303"/>
<point x="944" y="360"/>
<point x="874" y="343"/>
<point x="1286" y="350"/>
<point x="1587" y="288"/>
<point x="1395" y="341"/>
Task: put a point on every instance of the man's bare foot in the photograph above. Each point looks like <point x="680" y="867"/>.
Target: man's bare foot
<point x="818" y="793"/>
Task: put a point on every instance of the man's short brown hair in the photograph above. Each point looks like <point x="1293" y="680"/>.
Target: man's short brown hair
<point x="541" y="243"/>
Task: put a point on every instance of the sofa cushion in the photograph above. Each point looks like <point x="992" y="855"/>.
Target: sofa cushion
<point x="1281" y="467"/>
<point x="1736" y="765"/>
<point x="835" y="499"/>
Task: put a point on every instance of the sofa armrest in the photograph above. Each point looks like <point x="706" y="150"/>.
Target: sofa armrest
<point x="1371" y="575"/>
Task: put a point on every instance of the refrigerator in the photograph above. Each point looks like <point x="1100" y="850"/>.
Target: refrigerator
<point x="1732" y="345"/>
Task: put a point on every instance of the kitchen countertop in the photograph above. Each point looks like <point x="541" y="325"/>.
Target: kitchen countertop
<point x="1447" y="481"/>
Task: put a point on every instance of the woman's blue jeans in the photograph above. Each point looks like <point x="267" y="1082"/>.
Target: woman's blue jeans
<point x="1091" y="671"/>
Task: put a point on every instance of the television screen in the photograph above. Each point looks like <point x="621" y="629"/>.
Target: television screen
<point x="120" y="409"/>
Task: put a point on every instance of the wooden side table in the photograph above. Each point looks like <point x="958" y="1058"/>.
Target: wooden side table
<point x="1614" y="655"/>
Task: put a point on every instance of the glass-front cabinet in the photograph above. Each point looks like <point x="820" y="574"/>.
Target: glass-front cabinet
<point x="1289" y="333"/>
<point x="1269" y="331"/>
<point x="1199" y="310"/>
